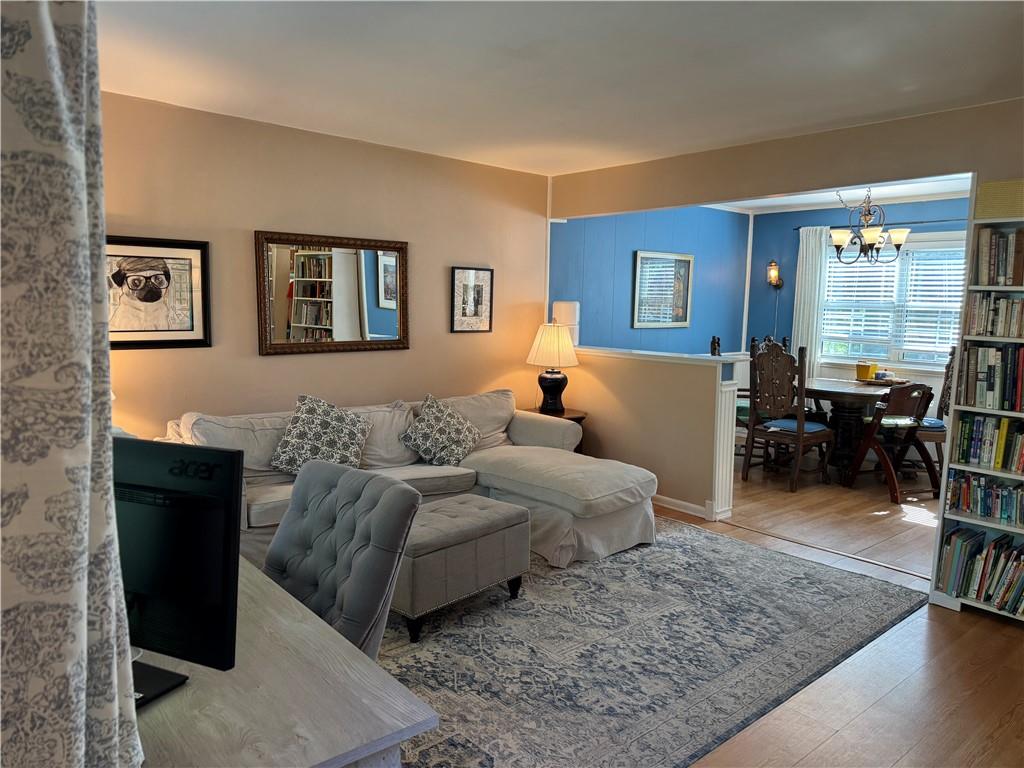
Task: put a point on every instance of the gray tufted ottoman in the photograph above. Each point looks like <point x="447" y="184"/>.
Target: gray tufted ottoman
<point x="457" y="547"/>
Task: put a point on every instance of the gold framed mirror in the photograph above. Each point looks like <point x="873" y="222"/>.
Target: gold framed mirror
<point x="318" y="293"/>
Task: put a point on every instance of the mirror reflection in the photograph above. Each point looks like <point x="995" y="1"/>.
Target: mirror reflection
<point x="319" y="293"/>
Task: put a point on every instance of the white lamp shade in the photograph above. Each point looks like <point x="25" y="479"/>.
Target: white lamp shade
<point x="552" y="348"/>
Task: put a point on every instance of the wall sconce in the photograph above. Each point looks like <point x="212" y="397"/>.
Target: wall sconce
<point x="774" y="279"/>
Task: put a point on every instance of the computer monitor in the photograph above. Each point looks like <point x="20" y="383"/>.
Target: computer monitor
<point x="178" y="509"/>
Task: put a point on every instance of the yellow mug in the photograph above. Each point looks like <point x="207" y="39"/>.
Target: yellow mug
<point x="866" y="370"/>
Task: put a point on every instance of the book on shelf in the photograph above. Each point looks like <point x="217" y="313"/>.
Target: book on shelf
<point x="990" y="314"/>
<point x="990" y="442"/>
<point x="999" y="257"/>
<point x="984" y="497"/>
<point x="312" y="266"/>
<point x="990" y="573"/>
<point x="992" y="376"/>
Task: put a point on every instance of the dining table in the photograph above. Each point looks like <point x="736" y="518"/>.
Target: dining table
<point x="851" y="401"/>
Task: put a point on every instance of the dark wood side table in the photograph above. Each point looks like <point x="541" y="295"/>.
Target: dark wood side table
<point x="569" y="415"/>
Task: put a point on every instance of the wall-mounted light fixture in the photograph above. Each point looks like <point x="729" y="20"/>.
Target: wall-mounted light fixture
<point x="775" y="281"/>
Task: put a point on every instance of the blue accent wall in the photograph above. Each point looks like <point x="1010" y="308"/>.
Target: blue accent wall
<point x="775" y="237"/>
<point x="592" y="263"/>
<point x="382" y="322"/>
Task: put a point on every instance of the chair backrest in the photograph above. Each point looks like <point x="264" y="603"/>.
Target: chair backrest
<point x="339" y="547"/>
<point x="777" y="382"/>
<point x="905" y="400"/>
<point x="947" y="386"/>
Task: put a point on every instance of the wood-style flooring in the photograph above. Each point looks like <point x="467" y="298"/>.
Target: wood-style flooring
<point x="857" y="521"/>
<point x="939" y="689"/>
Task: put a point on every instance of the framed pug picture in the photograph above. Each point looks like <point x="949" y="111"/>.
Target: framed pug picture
<point x="159" y="292"/>
<point x="472" y="299"/>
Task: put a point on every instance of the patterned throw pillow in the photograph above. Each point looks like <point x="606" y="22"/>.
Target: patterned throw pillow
<point x="319" y="430"/>
<point x="441" y="435"/>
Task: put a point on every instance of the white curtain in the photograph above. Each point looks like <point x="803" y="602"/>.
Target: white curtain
<point x="809" y="296"/>
<point x="67" y="686"/>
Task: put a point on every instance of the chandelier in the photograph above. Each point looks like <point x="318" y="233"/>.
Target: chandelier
<point x="868" y="234"/>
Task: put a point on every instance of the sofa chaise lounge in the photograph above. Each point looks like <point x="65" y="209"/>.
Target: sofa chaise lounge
<point x="582" y="508"/>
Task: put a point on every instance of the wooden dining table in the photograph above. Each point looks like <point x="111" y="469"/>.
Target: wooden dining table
<point x="851" y="401"/>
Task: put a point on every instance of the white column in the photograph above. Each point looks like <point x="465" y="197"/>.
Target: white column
<point x="719" y="506"/>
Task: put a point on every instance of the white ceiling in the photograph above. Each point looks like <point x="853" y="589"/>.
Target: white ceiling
<point x="934" y="188"/>
<point x="558" y="87"/>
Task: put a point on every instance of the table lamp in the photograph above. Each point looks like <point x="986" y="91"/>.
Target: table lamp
<point x="552" y="349"/>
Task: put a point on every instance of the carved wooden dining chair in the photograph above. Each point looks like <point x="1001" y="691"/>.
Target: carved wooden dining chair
<point x="933" y="430"/>
<point x="891" y="431"/>
<point x="777" y="411"/>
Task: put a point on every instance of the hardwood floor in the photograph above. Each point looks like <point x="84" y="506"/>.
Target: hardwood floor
<point x="857" y="521"/>
<point x="939" y="689"/>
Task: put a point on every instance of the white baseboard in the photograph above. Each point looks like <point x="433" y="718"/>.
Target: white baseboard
<point x="707" y="511"/>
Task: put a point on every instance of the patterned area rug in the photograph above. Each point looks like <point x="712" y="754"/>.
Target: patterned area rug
<point x="651" y="657"/>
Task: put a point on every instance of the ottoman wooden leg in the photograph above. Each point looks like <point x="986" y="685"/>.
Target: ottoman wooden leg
<point x="513" y="587"/>
<point x="415" y="627"/>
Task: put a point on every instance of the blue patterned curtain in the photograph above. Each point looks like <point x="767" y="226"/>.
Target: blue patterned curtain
<point x="67" y="688"/>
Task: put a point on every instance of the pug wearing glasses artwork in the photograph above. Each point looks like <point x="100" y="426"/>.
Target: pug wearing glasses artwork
<point x="141" y="294"/>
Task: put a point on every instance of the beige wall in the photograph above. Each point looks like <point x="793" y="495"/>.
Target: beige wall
<point x="179" y="173"/>
<point x="987" y="139"/>
<point x="657" y="415"/>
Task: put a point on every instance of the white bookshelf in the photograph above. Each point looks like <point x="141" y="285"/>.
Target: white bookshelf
<point x="948" y="521"/>
<point x="313" y="271"/>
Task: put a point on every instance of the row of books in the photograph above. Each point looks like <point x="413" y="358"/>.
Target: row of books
<point x="1000" y="257"/>
<point x="312" y="313"/>
<point x="991" y="574"/>
<point x="990" y="442"/>
<point x="313" y="267"/>
<point x="321" y="290"/>
<point x="310" y="334"/>
<point x="985" y="497"/>
<point x="989" y="314"/>
<point x="993" y="376"/>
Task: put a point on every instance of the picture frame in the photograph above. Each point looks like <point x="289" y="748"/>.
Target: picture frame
<point x="387" y="280"/>
<point x="159" y="292"/>
<point x="472" y="309"/>
<point x="662" y="289"/>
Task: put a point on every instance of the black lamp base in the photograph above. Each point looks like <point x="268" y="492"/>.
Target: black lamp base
<point x="552" y="385"/>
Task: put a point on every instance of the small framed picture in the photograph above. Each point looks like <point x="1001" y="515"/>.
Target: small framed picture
<point x="159" y="292"/>
<point x="387" y="280"/>
<point x="472" y="299"/>
<point x="662" y="284"/>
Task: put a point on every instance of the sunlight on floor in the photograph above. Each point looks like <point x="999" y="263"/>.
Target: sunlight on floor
<point x="919" y="515"/>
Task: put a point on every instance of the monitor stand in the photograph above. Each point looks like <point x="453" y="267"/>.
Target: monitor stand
<point x="153" y="682"/>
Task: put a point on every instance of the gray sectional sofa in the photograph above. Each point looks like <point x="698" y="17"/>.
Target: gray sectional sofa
<point x="582" y="508"/>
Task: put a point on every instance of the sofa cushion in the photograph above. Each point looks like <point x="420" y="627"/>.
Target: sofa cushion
<point x="431" y="480"/>
<point x="257" y="434"/>
<point x="441" y="435"/>
<point x="583" y="485"/>
<point x="384" y="447"/>
<point x="256" y="477"/>
<point x="489" y="412"/>
<point x="266" y="504"/>
<point x="321" y="431"/>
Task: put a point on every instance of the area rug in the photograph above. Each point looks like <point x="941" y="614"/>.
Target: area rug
<point x="652" y="657"/>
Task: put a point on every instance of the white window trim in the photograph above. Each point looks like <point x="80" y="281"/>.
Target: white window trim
<point x="933" y="241"/>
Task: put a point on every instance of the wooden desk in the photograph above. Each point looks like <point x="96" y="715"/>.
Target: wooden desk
<point x="300" y="695"/>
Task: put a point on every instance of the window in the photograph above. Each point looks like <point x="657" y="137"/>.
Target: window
<point x="904" y="312"/>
